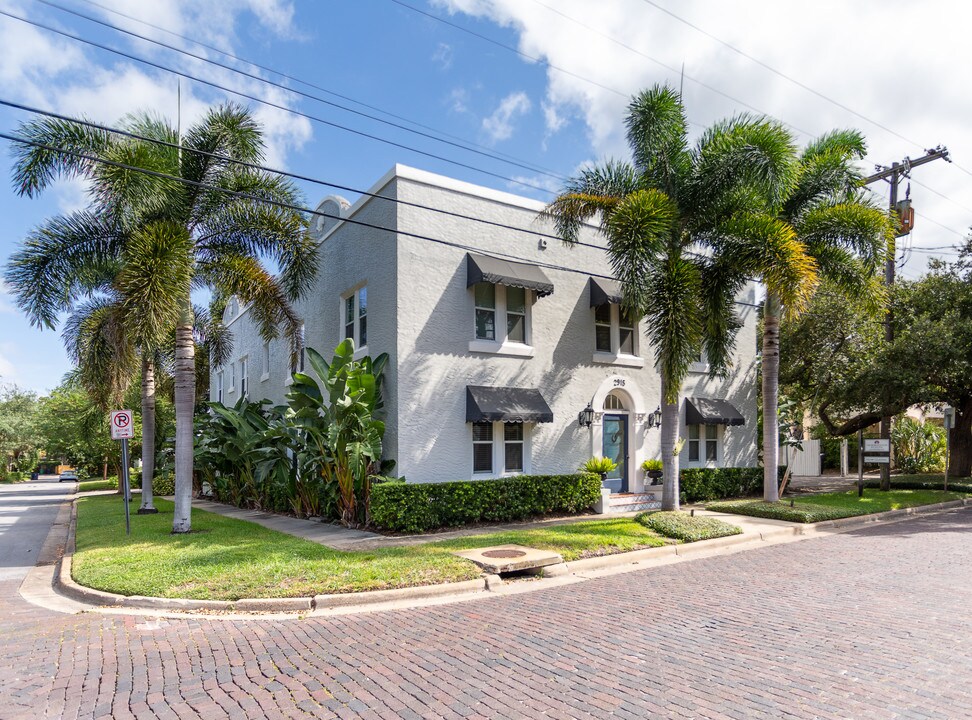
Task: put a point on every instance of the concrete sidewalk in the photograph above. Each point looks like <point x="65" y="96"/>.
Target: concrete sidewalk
<point x="328" y="534"/>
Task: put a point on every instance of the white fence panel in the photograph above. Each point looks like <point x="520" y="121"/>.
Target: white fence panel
<point x="803" y="462"/>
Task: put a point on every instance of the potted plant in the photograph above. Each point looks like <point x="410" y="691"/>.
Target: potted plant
<point x="653" y="469"/>
<point x="600" y="466"/>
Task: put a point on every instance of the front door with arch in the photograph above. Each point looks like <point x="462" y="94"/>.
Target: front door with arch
<point x="614" y="443"/>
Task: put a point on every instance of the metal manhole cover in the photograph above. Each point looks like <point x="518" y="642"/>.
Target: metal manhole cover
<point x="503" y="553"/>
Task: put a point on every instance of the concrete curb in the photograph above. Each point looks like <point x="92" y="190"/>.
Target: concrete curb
<point x="487" y="585"/>
<point x="65" y="584"/>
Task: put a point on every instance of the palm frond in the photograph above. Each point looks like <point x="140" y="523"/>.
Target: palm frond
<point x="155" y="274"/>
<point x="594" y="192"/>
<point x="35" y="168"/>
<point x="858" y="226"/>
<point x="764" y="246"/>
<point x="63" y="259"/>
<point x="657" y="128"/>
<point x="96" y="337"/>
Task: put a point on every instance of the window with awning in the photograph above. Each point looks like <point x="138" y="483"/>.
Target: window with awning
<point x="506" y="404"/>
<point x="485" y="269"/>
<point x="706" y="411"/>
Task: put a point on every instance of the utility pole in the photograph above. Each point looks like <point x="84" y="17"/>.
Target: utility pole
<point x="905" y="218"/>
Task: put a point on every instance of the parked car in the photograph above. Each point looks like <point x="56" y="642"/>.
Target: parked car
<point x="69" y="475"/>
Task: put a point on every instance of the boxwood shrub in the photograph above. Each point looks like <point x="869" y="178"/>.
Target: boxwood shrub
<point x="924" y="482"/>
<point x="802" y="513"/>
<point x="704" y="484"/>
<point x="417" y="507"/>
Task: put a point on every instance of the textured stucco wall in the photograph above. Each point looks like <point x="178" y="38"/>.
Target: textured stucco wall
<point x="347" y="256"/>
<point x="421" y="313"/>
<point x="436" y="325"/>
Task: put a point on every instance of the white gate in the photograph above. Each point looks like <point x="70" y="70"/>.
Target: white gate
<point x="805" y="461"/>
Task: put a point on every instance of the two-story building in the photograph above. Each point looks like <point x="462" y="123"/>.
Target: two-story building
<point x="497" y="336"/>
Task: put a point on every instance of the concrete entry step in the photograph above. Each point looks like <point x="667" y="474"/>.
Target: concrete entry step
<point x="633" y="502"/>
<point x="501" y="559"/>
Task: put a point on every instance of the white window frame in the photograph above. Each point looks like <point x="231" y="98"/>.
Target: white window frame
<point x="219" y="386"/>
<point x="244" y="376"/>
<point x="701" y="365"/>
<point x="702" y="442"/>
<point x="232" y="382"/>
<point x="501" y="345"/>
<point x="499" y="443"/>
<point x="354" y="293"/>
<point x="615" y="356"/>
<point x="265" y="355"/>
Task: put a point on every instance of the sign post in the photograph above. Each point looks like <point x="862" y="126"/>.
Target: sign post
<point x="876" y="451"/>
<point x="949" y="422"/>
<point x="122" y="428"/>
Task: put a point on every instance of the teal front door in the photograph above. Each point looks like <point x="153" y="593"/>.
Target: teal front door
<point x="614" y="445"/>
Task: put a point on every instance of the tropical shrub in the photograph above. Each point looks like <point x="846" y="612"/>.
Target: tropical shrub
<point x="685" y="527"/>
<point x="418" y="507"/>
<point x="918" y="446"/>
<point x="652" y="465"/>
<point x="598" y="465"/>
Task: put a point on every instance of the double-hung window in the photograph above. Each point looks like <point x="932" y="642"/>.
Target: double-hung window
<point x="482" y="447"/>
<point x="265" y="362"/>
<point x="498" y="448"/>
<point x="243" y="377"/>
<point x="232" y="372"/>
<point x="615" y="336"/>
<point x="703" y="443"/>
<point x="355" y="315"/>
<point x="502" y="319"/>
<point x="219" y="387"/>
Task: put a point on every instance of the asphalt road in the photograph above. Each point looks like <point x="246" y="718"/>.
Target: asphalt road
<point x="872" y="623"/>
<point x="27" y="511"/>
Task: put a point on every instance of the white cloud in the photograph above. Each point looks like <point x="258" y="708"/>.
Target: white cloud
<point x="459" y="100"/>
<point x="499" y="125"/>
<point x="628" y="45"/>
<point x="57" y="75"/>
<point x="443" y="56"/>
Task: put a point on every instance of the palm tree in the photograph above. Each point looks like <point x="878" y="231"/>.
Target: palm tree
<point x="665" y="216"/>
<point x="843" y="231"/>
<point x="198" y="222"/>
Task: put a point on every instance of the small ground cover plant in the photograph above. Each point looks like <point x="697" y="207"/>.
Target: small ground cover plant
<point x="833" y="506"/>
<point x="686" y="528"/>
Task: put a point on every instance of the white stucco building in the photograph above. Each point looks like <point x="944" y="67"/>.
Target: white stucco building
<point x="497" y="338"/>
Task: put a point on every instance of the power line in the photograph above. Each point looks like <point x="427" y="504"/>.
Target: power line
<point x="305" y="210"/>
<point x="307" y="83"/>
<point x="310" y="96"/>
<point x="269" y="103"/>
<point x="283" y="173"/>
<point x="678" y="71"/>
<point x="780" y="73"/>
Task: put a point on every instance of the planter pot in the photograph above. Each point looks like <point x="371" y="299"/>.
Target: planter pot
<point x="655" y="476"/>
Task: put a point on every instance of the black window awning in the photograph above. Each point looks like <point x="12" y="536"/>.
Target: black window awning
<point x="480" y="268"/>
<point x="506" y="404"/>
<point x="605" y="292"/>
<point x="703" y="411"/>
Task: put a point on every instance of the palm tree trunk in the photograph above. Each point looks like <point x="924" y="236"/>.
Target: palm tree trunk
<point x="148" y="433"/>
<point x="771" y="391"/>
<point x="669" y="437"/>
<point x="185" y="400"/>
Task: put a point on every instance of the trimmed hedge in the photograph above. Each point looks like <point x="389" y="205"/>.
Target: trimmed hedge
<point x="924" y="482"/>
<point x="685" y="527"/>
<point x="704" y="484"/>
<point x="417" y="507"/>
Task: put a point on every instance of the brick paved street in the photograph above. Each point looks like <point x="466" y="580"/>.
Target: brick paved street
<point x="874" y="623"/>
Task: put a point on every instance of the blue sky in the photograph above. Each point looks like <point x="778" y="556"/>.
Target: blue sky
<point x="552" y="117"/>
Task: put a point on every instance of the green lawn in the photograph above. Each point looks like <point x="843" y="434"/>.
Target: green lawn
<point x="833" y="506"/>
<point x="227" y="559"/>
<point x="90" y="485"/>
<point x="571" y="540"/>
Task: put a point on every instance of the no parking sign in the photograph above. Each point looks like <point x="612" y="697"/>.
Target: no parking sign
<point x="122" y="427"/>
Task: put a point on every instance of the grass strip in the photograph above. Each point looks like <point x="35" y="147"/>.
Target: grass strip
<point x="227" y="559"/>
<point x="572" y="541"/>
<point x="834" y="506"/>
<point x="686" y="528"/>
